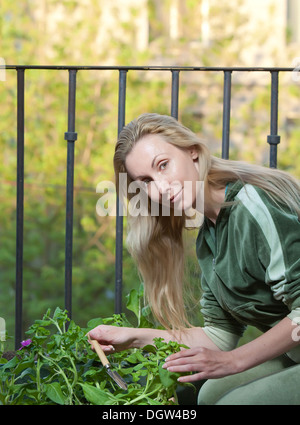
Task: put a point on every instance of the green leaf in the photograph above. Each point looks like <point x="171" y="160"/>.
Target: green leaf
<point x="55" y="393"/>
<point x="133" y="302"/>
<point x="97" y="396"/>
<point x="144" y="322"/>
<point x="135" y="357"/>
<point x="149" y="348"/>
<point x="91" y="372"/>
<point x="155" y="385"/>
<point x="152" y="402"/>
<point x="24" y="365"/>
<point x="10" y="364"/>
<point x="138" y="366"/>
<point x="93" y="323"/>
<point x="168" y="379"/>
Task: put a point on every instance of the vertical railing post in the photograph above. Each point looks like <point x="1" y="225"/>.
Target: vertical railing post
<point x="70" y="136"/>
<point x="274" y="139"/>
<point x="119" y="217"/>
<point x="226" y="114"/>
<point x="20" y="205"/>
<point x="175" y="94"/>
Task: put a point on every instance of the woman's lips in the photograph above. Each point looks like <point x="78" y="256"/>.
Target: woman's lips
<point x="175" y="197"/>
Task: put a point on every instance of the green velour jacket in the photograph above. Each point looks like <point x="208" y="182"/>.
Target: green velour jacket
<point x="250" y="263"/>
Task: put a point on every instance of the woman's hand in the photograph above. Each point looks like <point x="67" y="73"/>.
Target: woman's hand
<point x="205" y="362"/>
<point x="113" y="338"/>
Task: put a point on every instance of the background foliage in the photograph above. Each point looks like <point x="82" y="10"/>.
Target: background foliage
<point x="28" y="38"/>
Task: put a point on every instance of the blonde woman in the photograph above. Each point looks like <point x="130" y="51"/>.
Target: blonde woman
<point x="248" y="248"/>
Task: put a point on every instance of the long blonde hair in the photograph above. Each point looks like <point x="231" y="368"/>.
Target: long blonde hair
<point x="156" y="242"/>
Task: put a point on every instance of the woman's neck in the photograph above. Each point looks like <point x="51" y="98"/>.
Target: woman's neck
<point x="213" y="199"/>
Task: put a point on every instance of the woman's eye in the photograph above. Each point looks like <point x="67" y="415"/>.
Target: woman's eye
<point x="163" y="165"/>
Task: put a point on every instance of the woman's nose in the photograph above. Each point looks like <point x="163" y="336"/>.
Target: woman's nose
<point x="159" y="190"/>
<point x="162" y="186"/>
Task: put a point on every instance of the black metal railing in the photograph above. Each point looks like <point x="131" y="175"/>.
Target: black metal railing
<point x="273" y="139"/>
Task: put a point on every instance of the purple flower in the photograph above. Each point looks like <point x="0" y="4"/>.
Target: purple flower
<point x="25" y="343"/>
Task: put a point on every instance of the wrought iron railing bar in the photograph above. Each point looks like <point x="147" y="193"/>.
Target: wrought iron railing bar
<point x="151" y="68"/>
<point x="274" y="139"/>
<point x="175" y="93"/>
<point x="226" y="114"/>
<point x="20" y="206"/>
<point x="119" y="217"/>
<point x="70" y="136"/>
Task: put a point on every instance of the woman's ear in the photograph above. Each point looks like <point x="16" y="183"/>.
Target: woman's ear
<point x="194" y="152"/>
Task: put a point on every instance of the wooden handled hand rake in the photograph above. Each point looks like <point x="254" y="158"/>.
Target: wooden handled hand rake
<point x="112" y="373"/>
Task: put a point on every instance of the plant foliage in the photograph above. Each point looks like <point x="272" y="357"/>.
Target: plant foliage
<point x="57" y="366"/>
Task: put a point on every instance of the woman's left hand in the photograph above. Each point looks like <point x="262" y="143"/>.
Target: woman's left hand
<point x="206" y="363"/>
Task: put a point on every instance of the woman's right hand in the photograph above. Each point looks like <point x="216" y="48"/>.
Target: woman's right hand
<point x="113" y="338"/>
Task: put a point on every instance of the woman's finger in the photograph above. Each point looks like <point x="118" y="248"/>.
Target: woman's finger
<point x="192" y="378"/>
<point x="183" y="353"/>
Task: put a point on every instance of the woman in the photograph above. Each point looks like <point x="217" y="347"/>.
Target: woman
<point x="248" y="249"/>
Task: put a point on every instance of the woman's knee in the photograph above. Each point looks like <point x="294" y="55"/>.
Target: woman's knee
<point x="210" y="392"/>
<point x="281" y="388"/>
<point x="214" y="389"/>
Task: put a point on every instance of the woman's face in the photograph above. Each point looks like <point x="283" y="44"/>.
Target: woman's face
<point x="167" y="173"/>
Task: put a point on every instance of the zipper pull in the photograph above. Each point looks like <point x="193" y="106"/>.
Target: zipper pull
<point x="214" y="264"/>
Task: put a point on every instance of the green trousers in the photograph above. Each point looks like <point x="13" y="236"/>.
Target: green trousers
<point x="274" y="382"/>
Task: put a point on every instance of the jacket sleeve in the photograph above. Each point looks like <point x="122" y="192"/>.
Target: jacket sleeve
<point x="280" y="230"/>
<point x="215" y="316"/>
